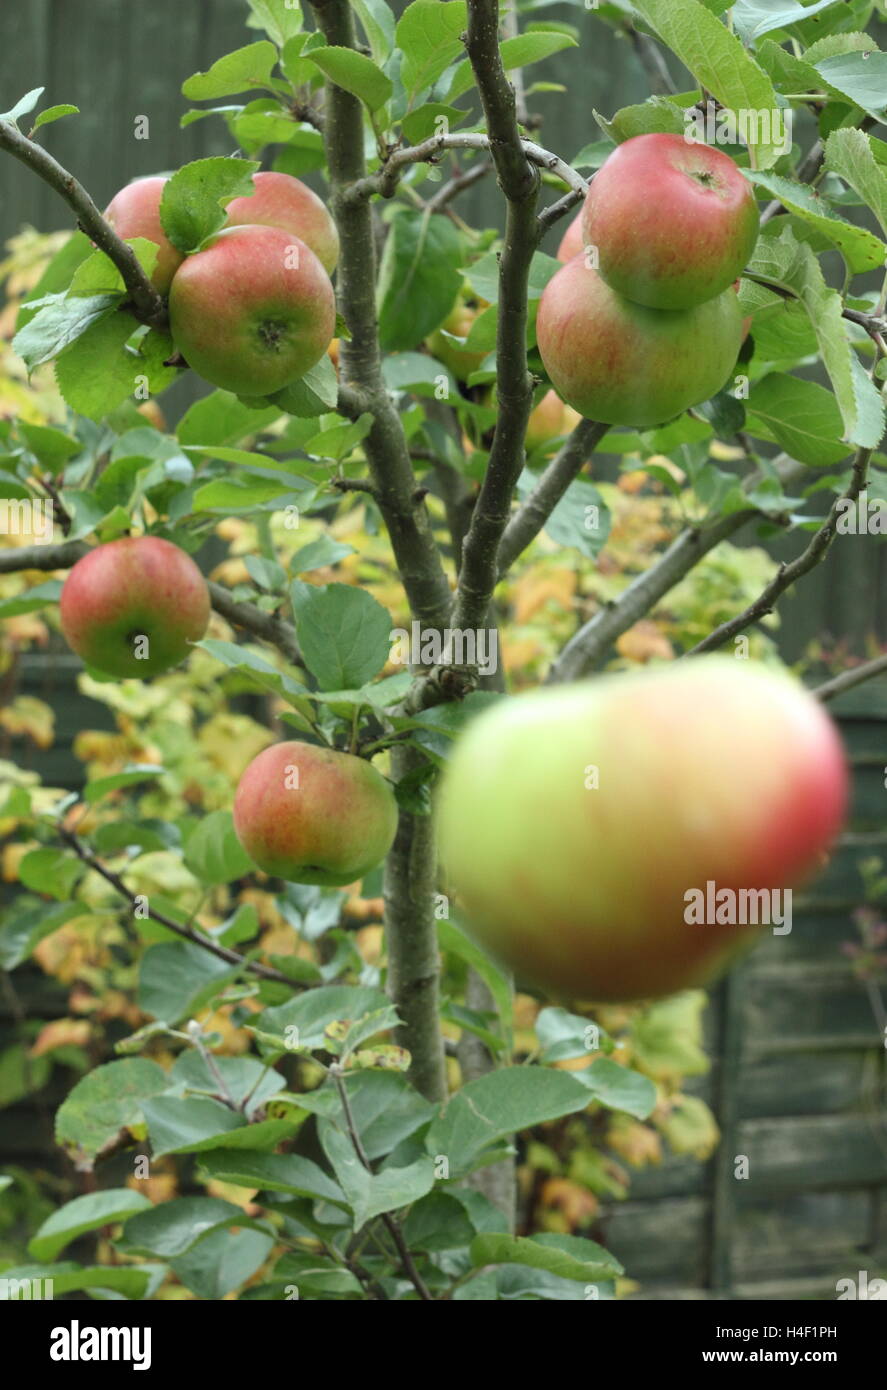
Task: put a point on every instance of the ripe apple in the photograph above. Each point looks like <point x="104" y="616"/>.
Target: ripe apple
<point x="624" y="364"/>
<point x="458" y="322"/>
<point x="576" y="822"/>
<point x="548" y="420"/>
<point x="571" y="241"/>
<point x="674" y="222"/>
<point x="133" y="606"/>
<point x="313" y="815"/>
<point x="282" y="201"/>
<point x="253" y="311"/>
<point x="135" y="211"/>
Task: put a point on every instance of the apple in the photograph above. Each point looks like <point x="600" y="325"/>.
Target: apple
<point x="578" y="824"/>
<point x="624" y="364"/>
<point x="314" y="815"/>
<point x="253" y="311"/>
<point x="571" y="241"/>
<point x="550" y="419"/>
<point x="458" y="322"/>
<point x="135" y="212"/>
<point x="132" y="607"/>
<point x="282" y="201"/>
<point x="674" y="221"/>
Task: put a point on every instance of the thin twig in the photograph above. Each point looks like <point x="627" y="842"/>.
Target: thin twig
<point x="788" y="574"/>
<point x="264" y="972"/>
<point x="849" y="679"/>
<point x="147" y="305"/>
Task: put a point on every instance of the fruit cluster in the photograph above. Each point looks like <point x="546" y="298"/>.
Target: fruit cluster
<point x="254" y="309"/>
<point x="653" y="327"/>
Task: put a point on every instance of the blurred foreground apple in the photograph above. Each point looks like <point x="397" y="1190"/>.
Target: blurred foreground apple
<point x="583" y="827"/>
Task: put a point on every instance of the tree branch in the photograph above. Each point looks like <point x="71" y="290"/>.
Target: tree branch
<point x="849" y="679"/>
<point x="519" y="182"/>
<point x="811" y="556"/>
<point x="385" y="180"/>
<point x="252" y="967"/>
<point x="148" y="306"/>
<point x="530" y="518"/>
<point x="412" y="540"/>
<point x="588" y="647"/>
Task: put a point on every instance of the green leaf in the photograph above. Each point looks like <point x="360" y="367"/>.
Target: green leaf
<point x="60" y="323"/>
<point x="222" y="1261"/>
<point x="378" y="25"/>
<point x="300" y="1023"/>
<point x="801" y="416"/>
<point x="429" y="32"/>
<point x="563" y="1036"/>
<point x="718" y="61"/>
<point x="754" y="18"/>
<point x="517" y="52"/>
<point x="178" y="978"/>
<point x="25" y="926"/>
<point x="850" y="155"/>
<point x="313" y="394"/>
<point x="355" y="73"/>
<point x="272" y="1173"/>
<point x="420" y="272"/>
<point x="581" y="520"/>
<point x="455" y="941"/>
<point x="221" y="418"/>
<point x="370" y="1194"/>
<point x="495" y="1106"/>
<point x="191" y="1124"/>
<point x="861" y="77"/>
<point x="280" y="19"/>
<point x="318" y="554"/>
<point x="339" y="440"/>
<point x="438" y="1222"/>
<point x="315" y="1276"/>
<point x="656" y="115"/>
<point x="51" y="871"/>
<point x="861" y="249"/>
<point x="51" y="447"/>
<point x="191" y="207"/>
<point x="104" y="1102"/>
<point x="100" y="369"/>
<point x="129" y="777"/>
<point x="425" y="121"/>
<point x="794" y="266"/>
<point x="240" y="71"/>
<point x="171" y="1228"/>
<point x="40" y="596"/>
<point x="23" y="106"/>
<point x="344" y="633"/>
<point x="582" y="1260"/>
<point x="72" y="1278"/>
<point x="83" y="1214"/>
<point x="214" y="853"/>
<point x="618" y="1088"/>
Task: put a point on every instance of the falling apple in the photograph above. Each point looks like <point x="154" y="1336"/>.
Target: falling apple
<point x="579" y="825"/>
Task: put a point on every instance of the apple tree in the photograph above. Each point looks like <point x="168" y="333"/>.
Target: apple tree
<point x="373" y="1104"/>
